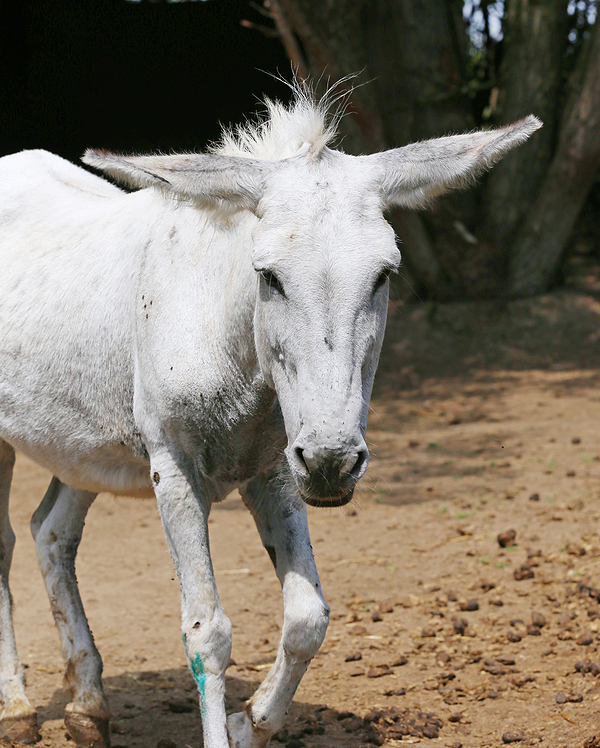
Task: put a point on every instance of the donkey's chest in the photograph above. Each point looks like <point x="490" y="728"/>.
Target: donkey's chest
<point x="230" y="432"/>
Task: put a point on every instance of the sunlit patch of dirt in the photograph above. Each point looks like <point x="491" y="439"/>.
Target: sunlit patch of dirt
<point x="484" y="421"/>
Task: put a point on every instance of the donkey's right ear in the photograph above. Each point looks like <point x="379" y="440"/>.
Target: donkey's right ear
<point x="212" y="180"/>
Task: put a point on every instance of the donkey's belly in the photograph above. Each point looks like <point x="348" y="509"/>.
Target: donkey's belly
<point x="109" y="467"/>
<point x="82" y="431"/>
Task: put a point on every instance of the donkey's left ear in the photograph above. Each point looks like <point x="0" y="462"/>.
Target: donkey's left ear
<point x="214" y="180"/>
<point x="412" y="175"/>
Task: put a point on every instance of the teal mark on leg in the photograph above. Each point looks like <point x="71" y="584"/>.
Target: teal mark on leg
<point x="197" y="669"/>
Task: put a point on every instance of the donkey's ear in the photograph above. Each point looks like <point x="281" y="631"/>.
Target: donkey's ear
<point x="213" y="180"/>
<point x="412" y="175"/>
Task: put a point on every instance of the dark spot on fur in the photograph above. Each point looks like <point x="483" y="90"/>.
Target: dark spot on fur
<point x="156" y="479"/>
<point x="52" y="537"/>
<point x="196" y="625"/>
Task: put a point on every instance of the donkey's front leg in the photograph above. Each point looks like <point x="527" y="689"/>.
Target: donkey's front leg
<point x="282" y="523"/>
<point x="206" y="630"/>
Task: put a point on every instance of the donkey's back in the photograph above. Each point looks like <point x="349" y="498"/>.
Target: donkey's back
<point x="49" y="175"/>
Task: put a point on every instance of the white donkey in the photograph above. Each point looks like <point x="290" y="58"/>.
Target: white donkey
<point x="219" y="328"/>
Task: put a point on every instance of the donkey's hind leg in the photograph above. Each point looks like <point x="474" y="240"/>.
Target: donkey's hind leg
<point x="18" y="717"/>
<point x="57" y="526"/>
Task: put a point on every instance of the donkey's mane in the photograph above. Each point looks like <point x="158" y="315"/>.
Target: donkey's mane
<point x="281" y="131"/>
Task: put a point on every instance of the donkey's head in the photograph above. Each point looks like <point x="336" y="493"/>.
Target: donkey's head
<point x="323" y="253"/>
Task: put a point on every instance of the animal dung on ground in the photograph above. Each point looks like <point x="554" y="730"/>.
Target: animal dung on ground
<point x="523" y="572"/>
<point x="512" y="737"/>
<point x="507" y="538"/>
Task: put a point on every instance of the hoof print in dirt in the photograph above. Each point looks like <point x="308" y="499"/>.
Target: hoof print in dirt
<point x="393" y="724"/>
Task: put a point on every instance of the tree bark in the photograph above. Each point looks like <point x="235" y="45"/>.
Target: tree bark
<point x="545" y="232"/>
<point x="530" y="81"/>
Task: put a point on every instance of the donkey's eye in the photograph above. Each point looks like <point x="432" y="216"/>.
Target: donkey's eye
<point x="381" y="279"/>
<point x="272" y="281"/>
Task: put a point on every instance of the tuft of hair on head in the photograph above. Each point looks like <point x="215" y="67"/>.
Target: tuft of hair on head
<point x="282" y="131"/>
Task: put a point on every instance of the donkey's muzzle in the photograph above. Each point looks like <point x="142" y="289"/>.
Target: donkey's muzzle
<point x="327" y="476"/>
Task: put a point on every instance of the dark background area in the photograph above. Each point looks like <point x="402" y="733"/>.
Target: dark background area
<point x="130" y="76"/>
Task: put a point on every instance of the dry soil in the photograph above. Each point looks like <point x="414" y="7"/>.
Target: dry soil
<point x="484" y="421"/>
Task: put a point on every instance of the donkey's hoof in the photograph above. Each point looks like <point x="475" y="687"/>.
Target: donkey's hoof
<point x="88" y="731"/>
<point x="243" y="734"/>
<point x="22" y="729"/>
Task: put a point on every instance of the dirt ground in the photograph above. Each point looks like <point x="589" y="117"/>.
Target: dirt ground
<point x="484" y="420"/>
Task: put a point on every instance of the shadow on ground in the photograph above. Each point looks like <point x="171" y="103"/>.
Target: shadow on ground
<point x="160" y="708"/>
<point x="558" y="331"/>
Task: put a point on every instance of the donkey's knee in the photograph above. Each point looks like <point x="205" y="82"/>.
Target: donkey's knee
<point x="304" y="629"/>
<point x="207" y="643"/>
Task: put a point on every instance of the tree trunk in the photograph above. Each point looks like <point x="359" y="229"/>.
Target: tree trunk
<point x="530" y="81"/>
<point x="545" y="232"/>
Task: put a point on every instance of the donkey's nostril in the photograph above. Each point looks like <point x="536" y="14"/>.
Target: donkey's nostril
<point x="356" y="469"/>
<point x="301" y="465"/>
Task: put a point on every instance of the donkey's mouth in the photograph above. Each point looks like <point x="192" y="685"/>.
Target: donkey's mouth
<point x="335" y="500"/>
